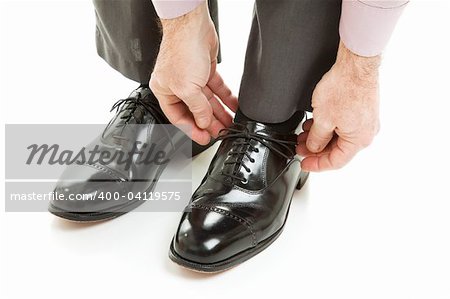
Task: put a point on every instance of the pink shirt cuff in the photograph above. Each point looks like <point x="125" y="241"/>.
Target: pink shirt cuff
<point x="366" y="26"/>
<point x="170" y="9"/>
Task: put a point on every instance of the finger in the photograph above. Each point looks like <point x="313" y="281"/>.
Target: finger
<point x="213" y="68"/>
<point x="302" y="150"/>
<point x="180" y="116"/>
<point x="224" y="93"/>
<point x="220" y="113"/>
<point x="302" y="137"/>
<point x="215" y="127"/>
<point x="340" y="154"/>
<point x="208" y="92"/>
<point x="198" y="104"/>
<point x="178" y="113"/>
<point x="307" y="125"/>
<point x="219" y="110"/>
<point x="319" y="136"/>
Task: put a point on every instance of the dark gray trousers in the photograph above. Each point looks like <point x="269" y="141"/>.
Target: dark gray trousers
<point x="292" y="44"/>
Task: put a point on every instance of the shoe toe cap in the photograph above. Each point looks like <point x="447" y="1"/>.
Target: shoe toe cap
<point x="209" y="236"/>
<point x="82" y="187"/>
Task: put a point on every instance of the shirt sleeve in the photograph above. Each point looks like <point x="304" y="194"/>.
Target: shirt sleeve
<point x="366" y="26"/>
<point x="170" y="9"/>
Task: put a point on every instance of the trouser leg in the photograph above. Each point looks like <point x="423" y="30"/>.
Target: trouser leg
<point x="292" y="44"/>
<point x="128" y="35"/>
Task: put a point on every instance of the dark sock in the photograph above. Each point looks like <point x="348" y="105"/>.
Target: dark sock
<point x="285" y="127"/>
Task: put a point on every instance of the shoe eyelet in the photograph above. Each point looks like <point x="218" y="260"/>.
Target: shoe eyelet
<point x="256" y="150"/>
<point x="252" y="160"/>
<point x="244" y="181"/>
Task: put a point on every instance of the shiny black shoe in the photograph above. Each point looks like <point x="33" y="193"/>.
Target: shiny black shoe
<point x="133" y="124"/>
<point x="242" y="204"/>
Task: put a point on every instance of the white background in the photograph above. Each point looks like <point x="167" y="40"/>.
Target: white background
<point x="379" y="228"/>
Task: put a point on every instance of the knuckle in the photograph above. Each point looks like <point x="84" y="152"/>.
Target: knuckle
<point x="321" y="137"/>
<point x="157" y="84"/>
<point x="322" y="119"/>
<point x="153" y="83"/>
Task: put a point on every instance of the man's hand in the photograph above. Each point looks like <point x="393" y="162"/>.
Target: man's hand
<point x="345" y="115"/>
<point x="185" y="80"/>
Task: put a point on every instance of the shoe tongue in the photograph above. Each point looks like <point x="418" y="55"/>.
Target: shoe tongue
<point x="125" y="127"/>
<point x="251" y="126"/>
<point x="143" y="92"/>
<point x="264" y="130"/>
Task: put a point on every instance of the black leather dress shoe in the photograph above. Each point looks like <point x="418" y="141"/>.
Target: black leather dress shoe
<point x="133" y="124"/>
<point x="242" y="204"/>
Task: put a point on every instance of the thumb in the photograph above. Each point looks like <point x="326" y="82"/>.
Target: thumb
<point x="318" y="137"/>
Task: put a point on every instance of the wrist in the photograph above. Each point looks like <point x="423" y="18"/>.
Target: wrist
<point x="364" y="70"/>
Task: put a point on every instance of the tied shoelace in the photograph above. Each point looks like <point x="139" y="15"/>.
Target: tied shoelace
<point x="243" y="148"/>
<point x="131" y="104"/>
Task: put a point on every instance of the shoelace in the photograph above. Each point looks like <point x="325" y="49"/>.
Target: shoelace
<point x="247" y="148"/>
<point x="135" y="102"/>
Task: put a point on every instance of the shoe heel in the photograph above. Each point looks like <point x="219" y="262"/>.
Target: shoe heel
<point x="303" y="178"/>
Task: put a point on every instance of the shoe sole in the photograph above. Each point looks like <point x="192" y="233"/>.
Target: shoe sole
<point x="238" y="258"/>
<point x="85" y="217"/>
